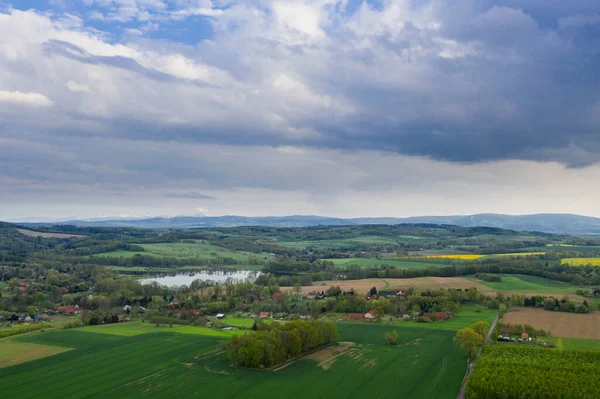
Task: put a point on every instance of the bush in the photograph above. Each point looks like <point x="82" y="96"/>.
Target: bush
<point x="391" y="338"/>
<point x="423" y="319"/>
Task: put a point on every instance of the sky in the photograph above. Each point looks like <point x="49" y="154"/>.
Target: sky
<point x="346" y="108"/>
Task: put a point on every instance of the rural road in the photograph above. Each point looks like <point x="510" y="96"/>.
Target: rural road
<point x="462" y="392"/>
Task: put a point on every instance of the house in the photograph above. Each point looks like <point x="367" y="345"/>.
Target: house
<point x="524" y="335"/>
<point x="370" y="314"/>
<point x="276" y="295"/>
<point x="221" y="316"/>
<point x="127" y="308"/>
<point x="356" y="316"/>
<point x="195" y="312"/>
<point x="264" y="315"/>
<point x="68" y="309"/>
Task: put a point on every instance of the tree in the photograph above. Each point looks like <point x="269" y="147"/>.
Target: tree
<point x="481" y="328"/>
<point x="468" y="339"/>
<point x="373" y="291"/>
<point x="391" y="338"/>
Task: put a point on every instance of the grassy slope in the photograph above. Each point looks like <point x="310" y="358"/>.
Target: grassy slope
<point x="425" y="363"/>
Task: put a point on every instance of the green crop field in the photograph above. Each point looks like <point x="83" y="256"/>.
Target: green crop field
<point x="183" y="250"/>
<point x="398" y="263"/>
<point x="529" y="284"/>
<point x="425" y="363"/>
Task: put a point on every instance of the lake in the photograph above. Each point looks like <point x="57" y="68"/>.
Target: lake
<point x="216" y="276"/>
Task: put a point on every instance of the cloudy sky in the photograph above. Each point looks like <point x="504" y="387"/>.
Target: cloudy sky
<point x="274" y="107"/>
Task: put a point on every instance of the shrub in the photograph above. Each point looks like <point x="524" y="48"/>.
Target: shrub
<point x="391" y="338"/>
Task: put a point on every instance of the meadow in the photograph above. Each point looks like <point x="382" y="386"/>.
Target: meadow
<point x="574" y="344"/>
<point x="425" y="363"/>
<point x="367" y="263"/>
<point x="463" y="319"/>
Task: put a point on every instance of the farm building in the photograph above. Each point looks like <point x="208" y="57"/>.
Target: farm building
<point x="264" y="315"/>
<point x="356" y="316"/>
<point x="221" y="316"/>
<point x="69" y="309"/>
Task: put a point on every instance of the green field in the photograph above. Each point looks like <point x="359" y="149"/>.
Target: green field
<point x="529" y="284"/>
<point x="425" y="363"/>
<point x="398" y="263"/>
<point x="573" y="344"/>
<point x="184" y="250"/>
<point x="464" y="318"/>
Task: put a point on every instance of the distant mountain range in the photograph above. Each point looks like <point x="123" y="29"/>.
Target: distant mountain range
<point x="545" y="222"/>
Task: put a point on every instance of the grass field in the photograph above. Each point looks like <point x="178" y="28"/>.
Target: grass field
<point x="181" y="250"/>
<point x="464" y="318"/>
<point x="425" y="363"/>
<point x="529" y="284"/>
<point x="574" y="344"/>
<point x="238" y="322"/>
<point x="375" y="263"/>
<point x="581" y="261"/>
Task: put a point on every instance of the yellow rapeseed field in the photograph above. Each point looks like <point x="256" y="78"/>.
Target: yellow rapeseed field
<point x="460" y="257"/>
<point x="581" y="261"/>
<point x="521" y="254"/>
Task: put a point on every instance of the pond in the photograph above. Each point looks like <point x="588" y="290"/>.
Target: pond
<point x="216" y="276"/>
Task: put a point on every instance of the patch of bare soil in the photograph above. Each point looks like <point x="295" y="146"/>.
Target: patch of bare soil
<point x="31" y="233"/>
<point x="558" y="324"/>
<point x="327" y="356"/>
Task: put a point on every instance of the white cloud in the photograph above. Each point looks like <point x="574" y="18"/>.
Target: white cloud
<point x="77" y="87"/>
<point x="31" y="99"/>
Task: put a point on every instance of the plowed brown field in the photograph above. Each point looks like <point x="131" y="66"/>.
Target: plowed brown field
<point x="559" y="324"/>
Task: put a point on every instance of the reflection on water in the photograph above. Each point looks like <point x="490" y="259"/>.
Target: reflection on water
<point x="216" y="276"/>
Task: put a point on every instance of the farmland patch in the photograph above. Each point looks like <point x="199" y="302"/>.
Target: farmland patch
<point x="14" y="352"/>
<point x="559" y="324"/>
